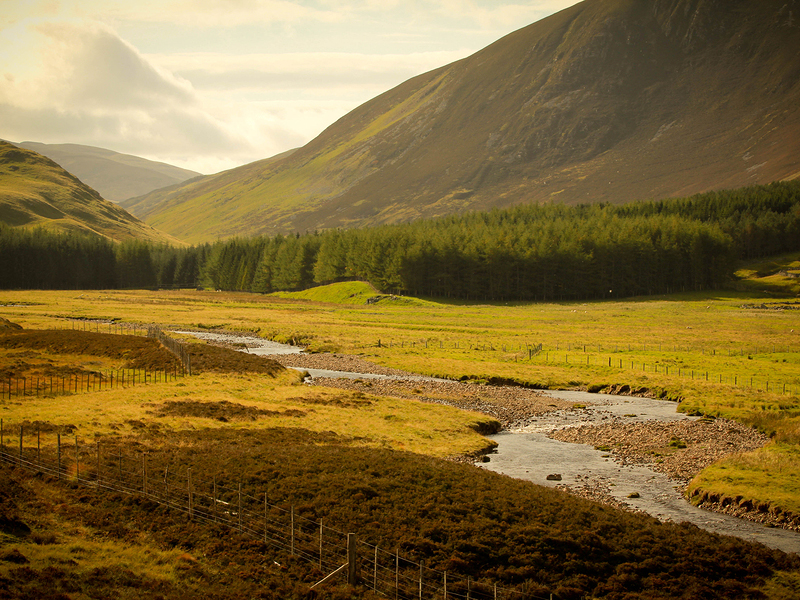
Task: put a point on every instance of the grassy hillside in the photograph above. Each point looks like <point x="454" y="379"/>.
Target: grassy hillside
<point x="609" y="100"/>
<point x="115" y="176"/>
<point x="351" y="292"/>
<point x="36" y="192"/>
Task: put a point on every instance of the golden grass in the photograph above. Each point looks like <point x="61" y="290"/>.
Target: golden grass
<point x="430" y="429"/>
<point x="769" y="475"/>
<point x="727" y="334"/>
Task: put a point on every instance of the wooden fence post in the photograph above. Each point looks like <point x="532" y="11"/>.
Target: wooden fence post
<point x="189" y="492"/>
<point x="352" y="559"/>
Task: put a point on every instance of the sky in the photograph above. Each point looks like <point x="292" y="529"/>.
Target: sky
<point x="208" y="85"/>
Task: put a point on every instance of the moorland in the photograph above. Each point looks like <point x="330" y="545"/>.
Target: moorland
<point x="377" y="465"/>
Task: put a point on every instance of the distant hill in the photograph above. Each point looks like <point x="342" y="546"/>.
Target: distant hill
<point x="116" y="176"/>
<point x="35" y="191"/>
<point x="609" y="100"/>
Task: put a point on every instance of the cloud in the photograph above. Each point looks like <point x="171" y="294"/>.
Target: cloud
<point x="194" y="13"/>
<point x="310" y="72"/>
<point x="69" y="63"/>
<point x="80" y="82"/>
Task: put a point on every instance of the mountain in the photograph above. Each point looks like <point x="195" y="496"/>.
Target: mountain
<point x="35" y="191"/>
<point x="609" y="100"/>
<point x="116" y="176"/>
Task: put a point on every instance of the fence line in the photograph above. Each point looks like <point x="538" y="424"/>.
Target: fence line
<point x="583" y="356"/>
<point x="178" y="349"/>
<point x="83" y="383"/>
<point x="223" y="503"/>
<point x="524" y="347"/>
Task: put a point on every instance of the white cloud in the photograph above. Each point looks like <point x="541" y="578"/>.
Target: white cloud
<point x="274" y="73"/>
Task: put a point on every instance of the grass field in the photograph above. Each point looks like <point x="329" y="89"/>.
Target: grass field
<point x="728" y="354"/>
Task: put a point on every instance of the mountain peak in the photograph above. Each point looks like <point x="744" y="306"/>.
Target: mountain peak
<point x="608" y="100"/>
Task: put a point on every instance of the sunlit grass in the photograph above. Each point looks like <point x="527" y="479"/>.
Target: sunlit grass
<point x="430" y="429"/>
<point x="716" y="351"/>
<point x="769" y="476"/>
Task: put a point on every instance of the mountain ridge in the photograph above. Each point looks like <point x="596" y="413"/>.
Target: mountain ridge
<point x="115" y="175"/>
<point x="608" y="100"/>
<point x="37" y="192"/>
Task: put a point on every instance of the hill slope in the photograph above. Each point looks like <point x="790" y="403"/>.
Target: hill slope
<point x="115" y="176"/>
<point x="35" y="191"/>
<point x="609" y="100"/>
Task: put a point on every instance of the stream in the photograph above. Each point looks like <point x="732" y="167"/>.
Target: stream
<point x="527" y="453"/>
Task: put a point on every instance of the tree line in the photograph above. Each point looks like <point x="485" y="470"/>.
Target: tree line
<point x="531" y="252"/>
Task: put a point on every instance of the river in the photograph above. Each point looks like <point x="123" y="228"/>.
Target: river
<point x="527" y="453"/>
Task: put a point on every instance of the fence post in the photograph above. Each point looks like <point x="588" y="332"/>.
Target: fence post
<point x="189" y="491"/>
<point x="352" y="565"/>
<point x="240" y="508"/>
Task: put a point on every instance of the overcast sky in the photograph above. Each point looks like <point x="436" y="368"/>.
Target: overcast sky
<point x="212" y="84"/>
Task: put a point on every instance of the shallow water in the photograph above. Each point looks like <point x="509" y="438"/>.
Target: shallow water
<point x="529" y="454"/>
<point x="253" y="345"/>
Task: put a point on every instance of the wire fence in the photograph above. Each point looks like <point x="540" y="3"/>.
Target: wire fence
<point x="83" y="383"/>
<point x="597" y="355"/>
<point x="110" y="466"/>
<point x="103" y="379"/>
<point x="178" y="349"/>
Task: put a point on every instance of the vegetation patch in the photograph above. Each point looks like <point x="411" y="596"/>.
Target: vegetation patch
<point x="220" y="411"/>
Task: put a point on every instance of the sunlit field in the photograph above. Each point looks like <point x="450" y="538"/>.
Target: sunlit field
<point x="728" y="354"/>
